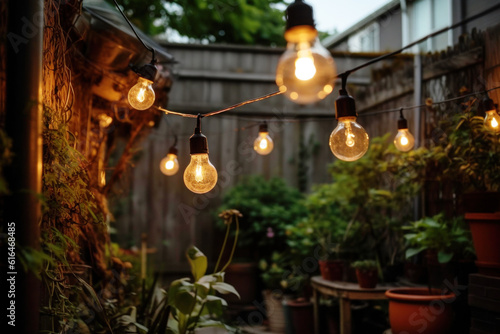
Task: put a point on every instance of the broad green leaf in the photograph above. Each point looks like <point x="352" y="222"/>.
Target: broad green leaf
<point x="444" y="257"/>
<point x="184" y="302"/>
<point x="198" y="262"/>
<point x="414" y="251"/>
<point x="225" y="288"/>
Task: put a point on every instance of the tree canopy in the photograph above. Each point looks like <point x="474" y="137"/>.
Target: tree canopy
<point x="217" y="21"/>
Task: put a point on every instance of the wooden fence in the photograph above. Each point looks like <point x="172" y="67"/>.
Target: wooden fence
<point x="212" y="77"/>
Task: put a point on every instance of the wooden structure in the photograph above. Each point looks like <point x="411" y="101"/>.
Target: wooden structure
<point x="345" y="292"/>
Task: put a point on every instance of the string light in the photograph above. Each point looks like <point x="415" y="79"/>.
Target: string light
<point x="349" y="140"/>
<point x="200" y="175"/>
<point x="263" y="144"/>
<point x="306" y="70"/>
<point x="404" y="140"/>
<point x="491" y="119"/>
<point x="170" y="165"/>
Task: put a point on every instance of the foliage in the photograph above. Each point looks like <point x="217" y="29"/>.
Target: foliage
<point x="221" y="21"/>
<point x="278" y="272"/>
<point x="195" y="304"/>
<point x="364" y="265"/>
<point x="473" y="152"/>
<point x="449" y="237"/>
<point x="269" y="207"/>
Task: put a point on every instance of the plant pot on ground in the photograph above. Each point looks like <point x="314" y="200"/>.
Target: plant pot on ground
<point x="366" y="273"/>
<point x="420" y="310"/>
<point x="301" y="314"/>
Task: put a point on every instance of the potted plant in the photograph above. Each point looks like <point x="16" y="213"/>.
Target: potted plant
<point x="367" y="273"/>
<point x="281" y="283"/>
<point x="268" y="207"/>
<point x="473" y="154"/>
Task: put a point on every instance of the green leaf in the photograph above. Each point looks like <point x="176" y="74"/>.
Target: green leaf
<point x="444" y="257"/>
<point x="184" y="302"/>
<point x="225" y="288"/>
<point x="198" y="262"/>
<point x="414" y="251"/>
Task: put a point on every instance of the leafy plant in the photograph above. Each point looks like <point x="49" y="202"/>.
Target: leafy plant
<point x="278" y="273"/>
<point x="449" y="237"/>
<point x="269" y="207"/>
<point x="364" y="265"/>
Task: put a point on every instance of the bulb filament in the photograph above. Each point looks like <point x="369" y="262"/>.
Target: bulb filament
<point x="494" y="123"/>
<point x="263" y="144"/>
<point x="169" y="164"/>
<point x="141" y="95"/>
<point x="304" y="66"/>
<point x="404" y="141"/>
<point x="349" y="137"/>
<point x="198" y="175"/>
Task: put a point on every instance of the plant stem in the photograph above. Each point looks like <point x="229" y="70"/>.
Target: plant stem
<point x="223" y="245"/>
<point x="234" y="244"/>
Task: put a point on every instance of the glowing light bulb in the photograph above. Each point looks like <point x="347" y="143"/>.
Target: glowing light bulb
<point x="170" y="165"/>
<point x="404" y="140"/>
<point x="200" y="175"/>
<point x="104" y="120"/>
<point x="492" y="120"/>
<point x="263" y="144"/>
<point x="306" y="71"/>
<point x="141" y="96"/>
<point x="349" y="141"/>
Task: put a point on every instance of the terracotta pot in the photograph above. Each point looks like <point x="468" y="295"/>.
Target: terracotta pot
<point x="302" y="315"/>
<point x="367" y="278"/>
<point x="243" y="276"/>
<point x="485" y="229"/>
<point x="274" y="311"/>
<point x="332" y="270"/>
<point x="416" y="311"/>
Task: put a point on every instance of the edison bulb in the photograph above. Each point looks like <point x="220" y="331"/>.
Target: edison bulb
<point x="404" y="140"/>
<point x="263" y="144"/>
<point x="200" y="175"/>
<point x="169" y="165"/>
<point x="349" y="141"/>
<point x="306" y="71"/>
<point x="492" y="121"/>
<point x="141" y="96"/>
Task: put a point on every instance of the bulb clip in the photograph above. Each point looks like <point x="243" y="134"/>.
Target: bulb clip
<point x="485" y="105"/>
<point x="173" y="150"/>
<point x="147" y="71"/>
<point x="299" y="14"/>
<point x="263" y="127"/>
<point x="402" y="122"/>
<point x="345" y="106"/>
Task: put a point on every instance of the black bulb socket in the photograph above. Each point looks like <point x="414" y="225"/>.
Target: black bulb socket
<point x="263" y="127"/>
<point x="345" y="106"/>
<point x="148" y="72"/>
<point x="198" y="142"/>
<point x="173" y="150"/>
<point x="485" y="105"/>
<point x="402" y="123"/>
<point x="299" y="14"/>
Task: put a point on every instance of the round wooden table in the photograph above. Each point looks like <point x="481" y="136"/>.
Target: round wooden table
<point x="345" y="292"/>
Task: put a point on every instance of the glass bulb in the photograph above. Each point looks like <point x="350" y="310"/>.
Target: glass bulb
<point x="141" y="96"/>
<point x="104" y="120"/>
<point x="404" y="140"/>
<point x="169" y="165"/>
<point x="492" y="121"/>
<point x="349" y="141"/>
<point x="200" y="175"/>
<point x="263" y="144"/>
<point x="306" y="71"/>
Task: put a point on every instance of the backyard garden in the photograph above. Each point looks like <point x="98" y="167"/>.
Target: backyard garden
<point x="377" y="211"/>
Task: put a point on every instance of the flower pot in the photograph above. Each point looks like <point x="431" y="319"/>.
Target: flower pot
<point x="332" y="270"/>
<point x="243" y="276"/>
<point x="367" y="278"/>
<point x="485" y="229"/>
<point x="302" y="315"/>
<point x="274" y="311"/>
<point x="416" y="311"/>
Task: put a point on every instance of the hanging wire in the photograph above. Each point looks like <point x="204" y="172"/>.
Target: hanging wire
<point x="153" y="60"/>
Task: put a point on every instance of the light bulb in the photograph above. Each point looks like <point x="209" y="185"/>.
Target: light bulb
<point x="141" y="96"/>
<point x="349" y="141"/>
<point x="169" y="165"/>
<point x="200" y="175"/>
<point x="492" y="120"/>
<point x="104" y="120"/>
<point x="306" y="71"/>
<point x="404" y="140"/>
<point x="263" y="144"/>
